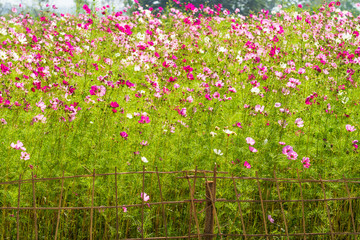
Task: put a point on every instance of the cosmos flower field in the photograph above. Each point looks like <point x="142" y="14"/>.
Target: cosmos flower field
<point x="192" y="87"/>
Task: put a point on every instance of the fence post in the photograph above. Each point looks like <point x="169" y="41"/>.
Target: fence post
<point x="209" y="217"/>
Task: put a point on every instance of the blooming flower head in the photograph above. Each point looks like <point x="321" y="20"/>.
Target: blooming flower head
<point x="144" y="119"/>
<point x="250" y="141"/>
<point x="18" y="145"/>
<point x="124" y="135"/>
<point x="247" y="165"/>
<point x="292" y="155"/>
<point x="98" y="90"/>
<point x="287" y="149"/>
<point x="144" y="159"/>
<point x="299" y="122"/>
<point x="145" y="197"/>
<point x="114" y="104"/>
<point x="218" y="152"/>
<point x="144" y="143"/>
<point x="306" y="162"/>
<point x="270" y="219"/>
<point x="350" y="128"/>
<point x="252" y="149"/>
<point x="25" y="156"/>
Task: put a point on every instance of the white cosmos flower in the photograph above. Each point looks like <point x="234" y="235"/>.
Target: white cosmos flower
<point x="227" y="131"/>
<point x="129" y="116"/>
<point x="255" y="90"/>
<point x="144" y="159"/>
<point x="218" y="152"/>
<point x="213" y="134"/>
<point x="22" y="40"/>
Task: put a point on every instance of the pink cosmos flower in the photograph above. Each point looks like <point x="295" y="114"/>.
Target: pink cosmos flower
<point x="183" y="112"/>
<point x="144" y="143"/>
<point x="216" y="95"/>
<point x="270" y="219"/>
<point x="299" y="122"/>
<point x="125" y="209"/>
<point x="292" y="155"/>
<point x="247" y="165"/>
<point x="145" y="197"/>
<point x="25" y="156"/>
<point x="350" y="128"/>
<point x="287" y="149"/>
<point x="3" y="121"/>
<point x="277" y="105"/>
<point x="252" y="149"/>
<point x="306" y="162"/>
<point x="281" y="143"/>
<point x="259" y="108"/>
<point x="18" y="145"/>
<point x="189" y="99"/>
<point x="250" y="141"/>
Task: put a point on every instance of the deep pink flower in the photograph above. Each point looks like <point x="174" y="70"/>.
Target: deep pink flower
<point x="247" y="165"/>
<point x="144" y="119"/>
<point x="114" y="104"/>
<point x="124" y="135"/>
<point x="87" y="9"/>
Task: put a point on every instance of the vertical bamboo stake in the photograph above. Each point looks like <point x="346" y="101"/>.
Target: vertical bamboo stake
<point x="212" y="197"/>
<point x="302" y="205"/>
<point x="262" y="205"/>
<point x="327" y="208"/>
<point x="351" y="211"/>
<point x="192" y="207"/>
<point x="117" y="211"/>
<point x="92" y="206"/>
<point x="281" y="205"/>
<point x="142" y="205"/>
<point x="34" y="206"/>
<point x="209" y="217"/>
<point x="18" y="211"/>
<point x="239" y="205"/>
<point x="162" y="204"/>
<point x="59" y="211"/>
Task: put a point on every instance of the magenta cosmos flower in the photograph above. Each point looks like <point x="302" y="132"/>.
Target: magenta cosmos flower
<point x="144" y="119"/>
<point x="98" y="90"/>
<point x="124" y="135"/>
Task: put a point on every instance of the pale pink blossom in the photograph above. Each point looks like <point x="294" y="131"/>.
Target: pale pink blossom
<point x="350" y="128"/>
<point x="25" y="156"/>
<point x="18" y="145"/>
<point x="250" y="141"/>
